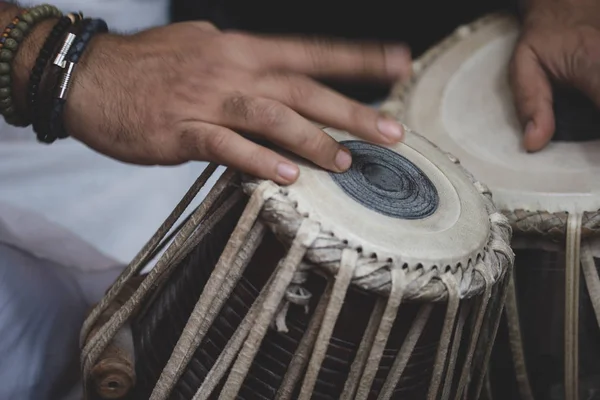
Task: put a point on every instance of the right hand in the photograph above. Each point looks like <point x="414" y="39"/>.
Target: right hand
<point x="558" y="42"/>
<point x="186" y="91"/>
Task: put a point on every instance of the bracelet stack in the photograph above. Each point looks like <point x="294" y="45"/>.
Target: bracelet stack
<point x="53" y="71"/>
<point x="52" y="41"/>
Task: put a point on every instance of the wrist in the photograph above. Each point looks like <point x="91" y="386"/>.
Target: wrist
<point x="88" y="83"/>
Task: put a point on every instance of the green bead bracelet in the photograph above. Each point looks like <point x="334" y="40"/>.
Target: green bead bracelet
<point x="10" y="40"/>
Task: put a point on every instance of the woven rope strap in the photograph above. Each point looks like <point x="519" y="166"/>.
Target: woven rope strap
<point x="551" y="225"/>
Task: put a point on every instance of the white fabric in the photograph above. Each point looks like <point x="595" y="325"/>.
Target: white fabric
<point x="69" y="219"/>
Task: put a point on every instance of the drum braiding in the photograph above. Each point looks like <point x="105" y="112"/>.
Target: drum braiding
<point x="551" y="225"/>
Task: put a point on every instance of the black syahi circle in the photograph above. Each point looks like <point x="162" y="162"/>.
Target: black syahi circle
<point x="386" y="182"/>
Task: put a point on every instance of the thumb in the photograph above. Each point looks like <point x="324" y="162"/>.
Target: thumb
<point x="533" y="98"/>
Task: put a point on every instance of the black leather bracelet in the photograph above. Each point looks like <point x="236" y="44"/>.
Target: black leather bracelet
<point x="44" y="56"/>
<point x="89" y="28"/>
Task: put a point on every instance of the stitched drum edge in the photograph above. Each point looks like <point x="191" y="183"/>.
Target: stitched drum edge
<point x="552" y="226"/>
<point x="523" y="222"/>
<point x="280" y="213"/>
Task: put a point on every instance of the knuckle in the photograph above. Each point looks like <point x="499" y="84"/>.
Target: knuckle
<point x="270" y="114"/>
<point x="520" y="51"/>
<point x="371" y="58"/>
<point x="189" y="145"/>
<point x="255" y="161"/>
<point x="189" y="139"/>
<point x="299" y="90"/>
<point x="254" y="112"/>
<point x="585" y="56"/>
<point x="207" y="71"/>
<point x="239" y="106"/>
<point x="215" y="145"/>
<point x="232" y="48"/>
<point x="358" y="114"/>
<point x="304" y="143"/>
<point x="232" y="41"/>
<point x="205" y="26"/>
<point x="320" y="147"/>
<point x="319" y="51"/>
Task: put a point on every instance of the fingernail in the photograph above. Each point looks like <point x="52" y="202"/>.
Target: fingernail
<point x="343" y="160"/>
<point x="288" y="172"/>
<point x="397" y="60"/>
<point x="529" y="137"/>
<point x="529" y="128"/>
<point x="391" y="129"/>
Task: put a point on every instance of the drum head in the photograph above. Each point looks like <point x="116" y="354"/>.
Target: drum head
<point x="409" y="203"/>
<point x="461" y="100"/>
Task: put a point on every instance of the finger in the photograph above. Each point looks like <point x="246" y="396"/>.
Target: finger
<point x="533" y="97"/>
<point x="332" y="58"/>
<point x="279" y="124"/>
<point x="207" y="142"/>
<point x="322" y="104"/>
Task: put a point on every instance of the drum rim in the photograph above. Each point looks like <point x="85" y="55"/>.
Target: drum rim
<point x="525" y="220"/>
<point x="282" y="215"/>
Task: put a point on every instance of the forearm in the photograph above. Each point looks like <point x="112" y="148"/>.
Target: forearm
<point x="27" y="52"/>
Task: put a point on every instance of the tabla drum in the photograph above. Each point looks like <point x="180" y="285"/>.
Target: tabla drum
<point x="548" y="345"/>
<point x="383" y="282"/>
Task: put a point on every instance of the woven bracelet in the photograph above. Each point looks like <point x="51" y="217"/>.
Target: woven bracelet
<point x="89" y="28"/>
<point x="10" y="40"/>
<point x="47" y="51"/>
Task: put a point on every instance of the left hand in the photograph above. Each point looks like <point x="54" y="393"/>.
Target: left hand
<point x="560" y="40"/>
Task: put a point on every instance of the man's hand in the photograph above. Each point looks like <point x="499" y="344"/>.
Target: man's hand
<point x="560" y="41"/>
<point x="190" y="92"/>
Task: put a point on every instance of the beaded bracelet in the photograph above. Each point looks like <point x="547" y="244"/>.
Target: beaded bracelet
<point x="10" y="40"/>
<point x="48" y="49"/>
<point x="68" y="63"/>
